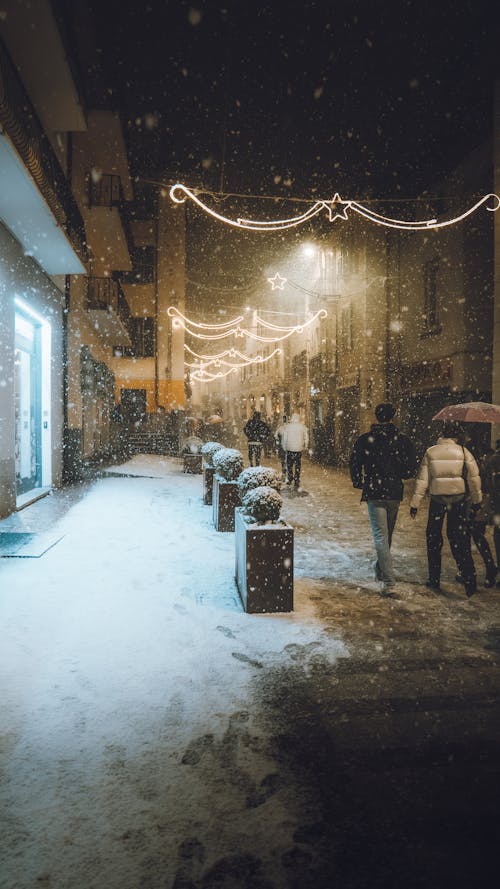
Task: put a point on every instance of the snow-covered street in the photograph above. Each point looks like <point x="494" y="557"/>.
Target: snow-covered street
<point x="154" y="735"/>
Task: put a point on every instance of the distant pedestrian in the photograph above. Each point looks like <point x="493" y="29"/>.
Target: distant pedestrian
<point x="278" y="437"/>
<point x="256" y="431"/>
<point x="491" y="475"/>
<point x="446" y="471"/>
<point x="295" y="439"/>
<point x="380" y="460"/>
<point x="480" y="518"/>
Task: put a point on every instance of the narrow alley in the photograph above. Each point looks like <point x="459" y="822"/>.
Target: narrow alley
<point x="157" y="737"/>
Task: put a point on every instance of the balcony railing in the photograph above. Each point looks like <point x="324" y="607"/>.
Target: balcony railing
<point x="20" y="122"/>
<point x="105" y="190"/>
<point x="106" y="294"/>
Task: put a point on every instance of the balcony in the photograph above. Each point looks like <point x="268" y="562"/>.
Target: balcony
<point x="34" y="192"/>
<point x="109" y="311"/>
<point x="107" y="221"/>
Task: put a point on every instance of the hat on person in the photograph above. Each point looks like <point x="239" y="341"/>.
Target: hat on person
<point x="385" y="412"/>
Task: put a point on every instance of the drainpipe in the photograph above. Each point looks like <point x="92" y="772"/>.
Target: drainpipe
<point x="156" y="304"/>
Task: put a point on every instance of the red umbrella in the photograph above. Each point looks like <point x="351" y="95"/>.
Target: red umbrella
<point x="470" y="412"/>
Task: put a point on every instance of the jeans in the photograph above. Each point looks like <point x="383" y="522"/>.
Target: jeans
<point x="293" y="459"/>
<point x="457" y="532"/>
<point x="254" y="451"/>
<point x="383" y="515"/>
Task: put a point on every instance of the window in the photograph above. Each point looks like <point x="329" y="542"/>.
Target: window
<point x="431" y="300"/>
<point x="142" y="333"/>
<point x="346" y="328"/>
<point x="142" y="266"/>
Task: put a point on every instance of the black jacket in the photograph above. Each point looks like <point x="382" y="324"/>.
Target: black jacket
<point x="380" y="460"/>
<point x="256" y="430"/>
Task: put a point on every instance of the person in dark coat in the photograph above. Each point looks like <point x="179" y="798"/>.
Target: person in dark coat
<point x="256" y="431"/>
<point x="380" y="460"/>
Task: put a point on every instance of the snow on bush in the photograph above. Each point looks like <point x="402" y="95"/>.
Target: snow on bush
<point x="208" y="450"/>
<point x="256" y="477"/>
<point x="262" y="504"/>
<point x="228" y="463"/>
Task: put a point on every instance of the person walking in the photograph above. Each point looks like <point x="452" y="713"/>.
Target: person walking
<point x="256" y="432"/>
<point x="278" y="437"/>
<point x="295" y="439"/>
<point x="446" y="471"/>
<point x="491" y="477"/>
<point x="380" y="460"/>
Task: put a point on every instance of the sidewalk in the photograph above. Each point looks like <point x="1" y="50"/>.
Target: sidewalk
<point x="156" y="736"/>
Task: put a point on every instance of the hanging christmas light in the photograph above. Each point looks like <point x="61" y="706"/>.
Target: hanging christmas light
<point x="217" y="361"/>
<point x="238" y="331"/>
<point x="336" y="209"/>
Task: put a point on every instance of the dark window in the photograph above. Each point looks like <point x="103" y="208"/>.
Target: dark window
<point x="142" y="333"/>
<point x="346" y="329"/>
<point x="142" y="266"/>
<point x="431" y="299"/>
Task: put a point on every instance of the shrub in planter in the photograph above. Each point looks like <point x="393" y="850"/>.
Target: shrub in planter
<point x="209" y="449"/>
<point x="228" y="463"/>
<point x="256" y="476"/>
<point x="262" y="504"/>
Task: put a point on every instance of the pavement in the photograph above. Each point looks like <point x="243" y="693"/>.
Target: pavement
<point x="156" y="736"/>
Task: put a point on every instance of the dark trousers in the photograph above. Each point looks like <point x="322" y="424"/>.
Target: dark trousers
<point x="254" y="451"/>
<point x="478" y="532"/>
<point x="458" y="536"/>
<point x="282" y="459"/>
<point x="293" y="462"/>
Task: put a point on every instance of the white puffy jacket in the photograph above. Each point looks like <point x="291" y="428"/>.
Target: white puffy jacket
<point x="441" y="472"/>
<point x="295" y="436"/>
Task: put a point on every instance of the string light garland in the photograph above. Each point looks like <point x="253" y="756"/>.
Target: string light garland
<point x="181" y="320"/>
<point x="336" y="209"/>
<point x="220" y="360"/>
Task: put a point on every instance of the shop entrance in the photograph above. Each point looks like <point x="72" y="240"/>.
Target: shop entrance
<point x="32" y="403"/>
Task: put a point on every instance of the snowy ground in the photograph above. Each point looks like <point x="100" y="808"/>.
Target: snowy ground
<point x="155" y="736"/>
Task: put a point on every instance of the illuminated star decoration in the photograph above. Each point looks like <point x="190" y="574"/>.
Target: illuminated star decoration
<point x="277" y="282"/>
<point x="336" y="208"/>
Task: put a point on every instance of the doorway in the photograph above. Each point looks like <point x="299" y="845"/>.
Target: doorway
<point x="32" y="403"/>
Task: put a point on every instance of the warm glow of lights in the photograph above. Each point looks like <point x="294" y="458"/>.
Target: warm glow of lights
<point x="174" y="312"/>
<point x="219" y="360"/>
<point x="309" y="250"/>
<point x="277" y="282"/>
<point x="336" y="208"/>
<point x="243" y="331"/>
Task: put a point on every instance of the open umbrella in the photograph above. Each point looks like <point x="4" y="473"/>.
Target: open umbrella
<point x="470" y="412"/>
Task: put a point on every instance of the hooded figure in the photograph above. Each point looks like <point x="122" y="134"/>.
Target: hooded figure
<point x="294" y="440"/>
<point x="380" y="460"/>
<point x="447" y="470"/>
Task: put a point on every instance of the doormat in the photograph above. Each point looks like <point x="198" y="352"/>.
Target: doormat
<point x="25" y="545"/>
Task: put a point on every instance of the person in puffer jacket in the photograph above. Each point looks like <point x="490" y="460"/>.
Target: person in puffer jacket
<point x="380" y="460"/>
<point x="446" y="471"/>
<point x="295" y="439"/>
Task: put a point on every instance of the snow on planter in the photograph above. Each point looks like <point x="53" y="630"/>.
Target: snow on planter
<point x="209" y="449"/>
<point x="264" y="561"/>
<point x="228" y="463"/>
<point x="257" y="476"/>
<point x="262" y="504"/>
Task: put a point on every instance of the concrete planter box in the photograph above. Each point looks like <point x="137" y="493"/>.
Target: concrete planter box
<point x="193" y="463"/>
<point x="264" y="566"/>
<point x="225" y="497"/>
<point x="208" y="484"/>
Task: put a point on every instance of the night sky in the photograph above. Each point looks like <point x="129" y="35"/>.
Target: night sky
<point x="371" y="99"/>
